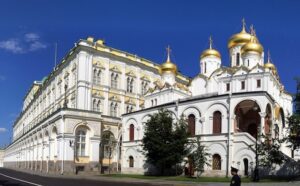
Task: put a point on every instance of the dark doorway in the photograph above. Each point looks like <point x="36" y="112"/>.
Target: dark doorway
<point x="246" y="165"/>
<point x="252" y="130"/>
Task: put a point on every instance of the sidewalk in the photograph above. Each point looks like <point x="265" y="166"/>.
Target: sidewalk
<point x="149" y="181"/>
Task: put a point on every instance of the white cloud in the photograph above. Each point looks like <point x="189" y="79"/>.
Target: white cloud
<point x="31" y="37"/>
<point x="36" y="46"/>
<point x="3" y="129"/>
<point x="29" y="42"/>
<point x="12" y="45"/>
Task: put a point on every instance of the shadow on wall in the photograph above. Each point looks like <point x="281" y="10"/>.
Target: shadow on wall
<point x="289" y="170"/>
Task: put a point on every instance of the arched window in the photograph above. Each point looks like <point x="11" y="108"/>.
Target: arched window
<point x="114" y="80"/>
<point x="131" y="161"/>
<point x="129" y="108"/>
<point x="97" y="76"/>
<point x="238" y="59"/>
<point x="144" y="87"/>
<point x="191" y="124"/>
<point x="113" y="109"/>
<point x="96" y="105"/>
<point x="217" y="122"/>
<point x="80" y="142"/>
<point x="131" y="132"/>
<point x="216" y="164"/>
<point x="130" y="84"/>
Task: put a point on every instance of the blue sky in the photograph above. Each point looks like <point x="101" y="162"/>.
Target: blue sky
<point x="30" y="28"/>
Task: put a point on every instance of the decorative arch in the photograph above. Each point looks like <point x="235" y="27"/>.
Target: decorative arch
<point x="173" y="115"/>
<point x="83" y="125"/>
<point x="145" y="118"/>
<point x="223" y="105"/>
<point x="217" y="148"/>
<point x="247" y="118"/>
<point x="192" y="110"/>
<point x="130" y="152"/>
<point x="131" y="120"/>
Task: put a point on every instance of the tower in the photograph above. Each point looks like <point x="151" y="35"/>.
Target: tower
<point x="210" y="60"/>
<point x="168" y="69"/>
<point x="269" y="65"/>
<point x="252" y="52"/>
<point x="235" y="44"/>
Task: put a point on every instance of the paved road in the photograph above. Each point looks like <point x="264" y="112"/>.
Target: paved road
<point x="10" y="177"/>
<point x="14" y="178"/>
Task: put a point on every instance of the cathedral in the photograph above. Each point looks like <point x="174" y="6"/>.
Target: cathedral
<point x="88" y="114"/>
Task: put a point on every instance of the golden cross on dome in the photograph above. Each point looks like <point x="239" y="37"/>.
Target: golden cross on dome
<point x="269" y="56"/>
<point x="168" y="53"/>
<point x="244" y="23"/>
<point x="210" y="42"/>
<point x="252" y="30"/>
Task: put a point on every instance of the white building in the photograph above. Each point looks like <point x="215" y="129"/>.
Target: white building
<point x="68" y="116"/>
<point x="74" y="116"/>
<point x="225" y="106"/>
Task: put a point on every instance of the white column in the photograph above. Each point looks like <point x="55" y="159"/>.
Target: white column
<point x="262" y="123"/>
<point x="84" y="80"/>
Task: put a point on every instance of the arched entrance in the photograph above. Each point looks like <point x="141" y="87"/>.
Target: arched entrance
<point x="246" y="165"/>
<point x="108" y="149"/>
<point x="247" y="117"/>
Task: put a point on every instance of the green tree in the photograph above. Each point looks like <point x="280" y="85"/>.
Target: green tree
<point x="199" y="157"/>
<point x="165" y="143"/>
<point x="293" y="137"/>
<point x="268" y="151"/>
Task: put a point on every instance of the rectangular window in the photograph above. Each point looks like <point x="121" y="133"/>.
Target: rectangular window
<point x="243" y="85"/>
<point x="227" y="87"/>
<point x="258" y="83"/>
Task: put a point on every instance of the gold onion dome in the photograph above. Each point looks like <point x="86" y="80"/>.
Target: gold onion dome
<point x="240" y="38"/>
<point x="253" y="45"/>
<point x="270" y="65"/>
<point x="168" y="66"/>
<point x="210" y="51"/>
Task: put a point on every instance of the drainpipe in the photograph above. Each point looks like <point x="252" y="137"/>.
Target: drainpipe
<point x="228" y="138"/>
<point x="63" y="146"/>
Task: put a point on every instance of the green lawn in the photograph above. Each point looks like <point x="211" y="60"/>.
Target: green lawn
<point x="188" y="179"/>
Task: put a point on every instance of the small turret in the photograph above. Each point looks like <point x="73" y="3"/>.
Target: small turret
<point x="252" y="52"/>
<point x="210" y="60"/>
<point x="168" y="69"/>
